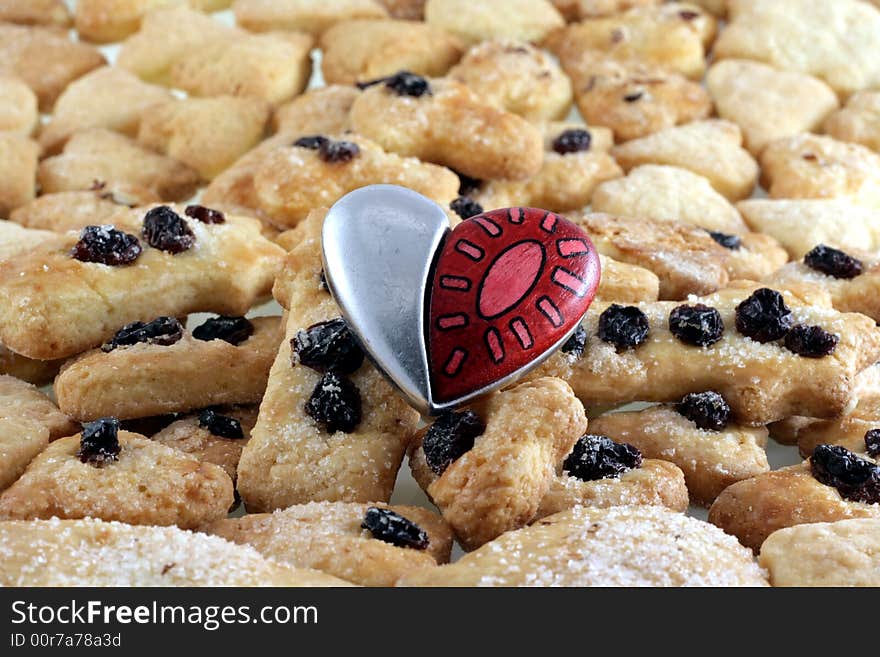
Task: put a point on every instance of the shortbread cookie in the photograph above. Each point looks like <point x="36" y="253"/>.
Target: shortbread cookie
<point x="517" y="77"/>
<point x="442" y="121"/>
<point x="313" y="171"/>
<point x="118" y="476"/>
<point x="23" y="402"/>
<point x="331" y="537"/>
<point x="18" y="167"/>
<point x="835" y="41"/>
<point x="91" y="552"/>
<point x="336" y="436"/>
<point x="103" y="21"/>
<point x="801" y="224"/>
<point x="528" y="20"/>
<point x="761" y="382"/>
<point x="312" y="16"/>
<point x="577" y="10"/>
<point x="104" y="156"/>
<point x="108" y="97"/>
<point x="47" y="61"/>
<point x="18" y="106"/>
<point x="672" y="35"/>
<point x="20" y="442"/>
<point x="858" y="121"/>
<point x="712" y="149"/>
<point x="270" y="67"/>
<point x="366" y="49"/>
<point x="619" y="546"/>
<point x="320" y="111"/>
<point x="49" y="13"/>
<point x="814" y="166"/>
<point x="55" y="305"/>
<point x="63" y="211"/>
<point x="753" y="509"/>
<point x="488" y="469"/>
<point x="15" y="239"/>
<point x="842" y="553"/>
<point x="38" y="372"/>
<point x="631" y="97"/>
<point x="685" y="258"/>
<point x="168" y="35"/>
<point x="768" y="103"/>
<point x="710" y="458"/>
<point x="626" y="283"/>
<point x="600" y="473"/>
<point x="668" y="193"/>
<point x="161" y="371"/>
<point x="576" y="161"/>
<point x="851" y="278"/>
<point x="206" y="134"/>
<point x="213" y="435"/>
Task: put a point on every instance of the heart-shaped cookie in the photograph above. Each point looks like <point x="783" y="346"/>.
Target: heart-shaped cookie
<point x="448" y="315"/>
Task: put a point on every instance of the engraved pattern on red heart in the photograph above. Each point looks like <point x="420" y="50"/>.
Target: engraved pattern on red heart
<point x="509" y="286"/>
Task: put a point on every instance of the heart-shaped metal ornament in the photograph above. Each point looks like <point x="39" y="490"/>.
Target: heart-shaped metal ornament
<point x="448" y="315"/>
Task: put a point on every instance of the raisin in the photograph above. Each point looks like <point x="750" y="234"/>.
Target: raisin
<point x="731" y="242"/>
<point x="327" y="347"/>
<point x="322" y="282"/>
<point x="833" y="262"/>
<point x="338" y="151"/>
<point x="405" y="83"/>
<point x="99" y="442"/>
<point x="576" y="344"/>
<point x="451" y="436"/>
<point x="107" y="246"/>
<point x="698" y="325"/>
<point x="205" y="215"/>
<point x="312" y="142"/>
<point x="855" y="478"/>
<point x="167" y="231"/>
<point x="162" y="331"/>
<point x="623" y="326"/>
<point x="872" y="442"/>
<point x="810" y="341"/>
<point x="634" y="96"/>
<point x="763" y="316"/>
<point x="220" y="425"/>
<point x="688" y="15"/>
<point x="233" y="330"/>
<point x="335" y="403"/>
<point x="391" y="527"/>
<point x="572" y="141"/>
<point x="466" y="207"/>
<point x="599" y="457"/>
<point x="467" y="185"/>
<point x="708" y="410"/>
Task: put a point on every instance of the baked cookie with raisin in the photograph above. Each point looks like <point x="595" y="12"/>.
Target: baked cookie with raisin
<point x="576" y="162"/>
<point x="157" y="263"/>
<point x="833" y="484"/>
<point x="159" y="367"/>
<point x="89" y="552"/>
<point x="517" y="77"/>
<point x="109" y="97"/>
<point x="330" y="426"/>
<point x="105" y="156"/>
<point x="617" y="546"/>
<point x="600" y="473"/>
<point x="116" y="475"/>
<point x="711" y="148"/>
<point x="367" y="544"/>
<point x="770" y="355"/>
<point x="319" y="111"/>
<point x="489" y="467"/>
<point x="698" y="436"/>
<point x="366" y="49"/>
<point x="443" y="121"/>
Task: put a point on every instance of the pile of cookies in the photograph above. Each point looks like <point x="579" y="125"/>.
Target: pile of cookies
<point x="155" y="194"/>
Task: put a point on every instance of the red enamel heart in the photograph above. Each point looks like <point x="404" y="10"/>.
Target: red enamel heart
<point x="509" y="285"/>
